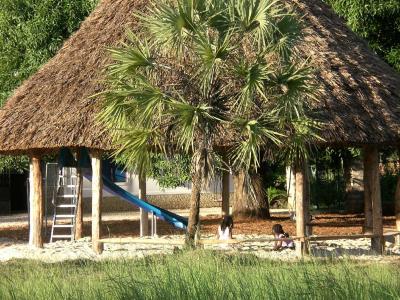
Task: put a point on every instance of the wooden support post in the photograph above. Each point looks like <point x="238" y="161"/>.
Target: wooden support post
<point x="97" y="196"/>
<point x="367" y="228"/>
<point x="225" y="193"/>
<point x="371" y="170"/>
<point x="144" y="215"/>
<point x="79" y="207"/>
<point x="397" y="207"/>
<point x="31" y="205"/>
<point x="36" y="204"/>
<point x="301" y="208"/>
<point x="291" y="188"/>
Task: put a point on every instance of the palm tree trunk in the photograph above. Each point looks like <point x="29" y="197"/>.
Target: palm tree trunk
<point x="261" y="209"/>
<point x="194" y="214"/>
<point x="244" y="203"/>
<point x="239" y="205"/>
<point x="197" y="181"/>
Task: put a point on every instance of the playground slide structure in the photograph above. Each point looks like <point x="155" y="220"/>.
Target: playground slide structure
<point x="112" y="188"/>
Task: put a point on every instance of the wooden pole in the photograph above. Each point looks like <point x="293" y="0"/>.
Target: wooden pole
<point x="367" y="193"/>
<point x="301" y="209"/>
<point x="307" y="199"/>
<point x="79" y="205"/>
<point x="31" y="205"/>
<point x="397" y="206"/>
<point x="97" y="195"/>
<point x="291" y="188"/>
<point x="144" y="215"/>
<point x="36" y="209"/>
<point x="225" y="193"/>
<point x="371" y="161"/>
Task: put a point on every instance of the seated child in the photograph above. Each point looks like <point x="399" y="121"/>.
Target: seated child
<point x="278" y="233"/>
<point x="225" y="228"/>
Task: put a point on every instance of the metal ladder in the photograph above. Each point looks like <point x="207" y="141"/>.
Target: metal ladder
<point x="64" y="204"/>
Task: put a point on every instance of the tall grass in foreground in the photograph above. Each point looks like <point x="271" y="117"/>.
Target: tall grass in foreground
<point x="199" y="275"/>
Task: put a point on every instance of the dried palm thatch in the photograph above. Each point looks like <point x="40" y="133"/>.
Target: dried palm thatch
<point x="359" y="102"/>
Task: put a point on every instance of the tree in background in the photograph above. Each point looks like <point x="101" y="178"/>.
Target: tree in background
<point x="31" y="32"/>
<point x="207" y="79"/>
<point x="378" y="21"/>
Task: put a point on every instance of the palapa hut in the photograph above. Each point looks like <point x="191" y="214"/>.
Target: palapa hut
<point x="359" y="102"/>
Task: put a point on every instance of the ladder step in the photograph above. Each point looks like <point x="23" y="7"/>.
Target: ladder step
<point x="66" y="205"/>
<point x="63" y="225"/>
<point x="62" y="236"/>
<point x="66" y="196"/>
<point x="65" y="216"/>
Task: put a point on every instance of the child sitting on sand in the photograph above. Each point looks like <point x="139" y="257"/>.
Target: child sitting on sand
<point x="225" y="228"/>
<point x="277" y="231"/>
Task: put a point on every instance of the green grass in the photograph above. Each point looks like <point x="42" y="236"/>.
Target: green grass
<point x="199" y="275"/>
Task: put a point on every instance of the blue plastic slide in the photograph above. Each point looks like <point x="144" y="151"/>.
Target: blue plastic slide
<point x="112" y="188"/>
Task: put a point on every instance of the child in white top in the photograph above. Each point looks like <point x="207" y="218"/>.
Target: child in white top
<point x="277" y="231"/>
<point x="225" y="228"/>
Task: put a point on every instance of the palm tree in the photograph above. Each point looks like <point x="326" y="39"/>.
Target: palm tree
<point x="206" y="78"/>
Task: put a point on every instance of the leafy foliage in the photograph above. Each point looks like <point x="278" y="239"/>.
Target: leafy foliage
<point x="31" y="32"/>
<point x="277" y="197"/>
<point x="170" y="172"/>
<point x="199" y="73"/>
<point x="15" y="163"/>
<point x="378" y="21"/>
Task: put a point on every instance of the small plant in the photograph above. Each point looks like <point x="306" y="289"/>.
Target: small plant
<point x="277" y="198"/>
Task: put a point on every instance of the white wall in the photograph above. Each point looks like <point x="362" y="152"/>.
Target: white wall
<point x="153" y="188"/>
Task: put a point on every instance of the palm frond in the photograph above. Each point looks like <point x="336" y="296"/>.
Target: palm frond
<point x="296" y="90"/>
<point x="303" y="134"/>
<point x="287" y="33"/>
<point x="253" y="77"/>
<point x="171" y="26"/>
<point x="188" y="120"/>
<point x="255" y="135"/>
<point x="258" y="17"/>
<point x="211" y="55"/>
<point x="129" y="58"/>
<point x="135" y="148"/>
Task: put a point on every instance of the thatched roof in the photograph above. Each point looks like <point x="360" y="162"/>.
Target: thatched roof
<point x="359" y="100"/>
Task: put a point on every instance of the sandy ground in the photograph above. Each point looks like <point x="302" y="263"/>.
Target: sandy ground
<point x="63" y="250"/>
<point x="14" y="236"/>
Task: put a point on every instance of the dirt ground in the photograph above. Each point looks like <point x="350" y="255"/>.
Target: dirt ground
<point x="323" y="224"/>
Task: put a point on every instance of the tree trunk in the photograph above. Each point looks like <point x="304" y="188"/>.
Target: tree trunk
<point x="248" y="204"/>
<point x="225" y="193"/>
<point x="239" y="205"/>
<point x="262" y="205"/>
<point x="194" y="214"/>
